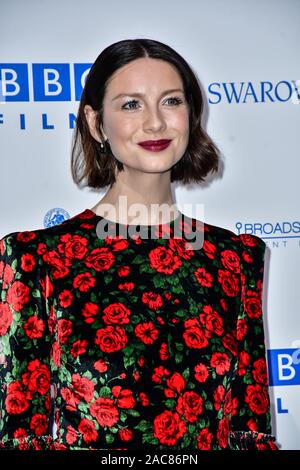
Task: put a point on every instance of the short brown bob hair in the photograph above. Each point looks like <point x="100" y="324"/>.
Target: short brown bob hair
<point x="94" y="166"/>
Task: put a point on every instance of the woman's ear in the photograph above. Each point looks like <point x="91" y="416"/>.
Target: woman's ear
<point x="90" y="115"/>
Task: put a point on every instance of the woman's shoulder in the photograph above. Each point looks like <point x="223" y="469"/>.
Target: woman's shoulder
<point x="225" y="236"/>
<point x="37" y="239"/>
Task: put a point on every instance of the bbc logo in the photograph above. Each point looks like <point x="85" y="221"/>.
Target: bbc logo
<point x="42" y="82"/>
<point x="284" y="366"/>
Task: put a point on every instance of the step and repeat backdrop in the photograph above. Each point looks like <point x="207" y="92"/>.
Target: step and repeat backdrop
<point x="246" y="57"/>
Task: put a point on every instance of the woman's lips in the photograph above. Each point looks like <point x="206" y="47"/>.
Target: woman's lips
<point x="155" y="145"/>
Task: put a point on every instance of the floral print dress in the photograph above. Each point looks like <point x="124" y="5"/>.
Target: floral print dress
<point x="131" y="343"/>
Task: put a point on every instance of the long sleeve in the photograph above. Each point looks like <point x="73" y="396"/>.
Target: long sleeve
<point x="25" y="398"/>
<point x="251" y="418"/>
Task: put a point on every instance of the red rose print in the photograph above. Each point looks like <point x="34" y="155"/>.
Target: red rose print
<point x="16" y="402"/>
<point x="244" y="361"/>
<point x="41" y="248"/>
<point x="201" y="373"/>
<point x="252" y="303"/>
<point x="242" y="329"/>
<point x="27" y="262"/>
<point x="182" y="247"/>
<point x="39" y="424"/>
<point x="211" y="320"/>
<point x="105" y="412"/>
<point x="116" y="313"/>
<point x="84" y="282"/>
<point x="71" y="435"/>
<point x="218" y="395"/>
<point x="52" y="321"/>
<point x="6" y="318"/>
<point x="204" y="278"/>
<point x="204" y="439"/>
<point x="57" y="264"/>
<point x="161" y="321"/>
<point x="89" y="311"/>
<point x="223" y="432"/>
<point x="257" y="398"/>
<point x="111" y="339"/>
<point x="72" y="246"/>
<point x="144" y="399"/>
<point x="247" y="257"/>
<point x="37" y="379"/>
<point x="146" y="332"/>
<point x="193" y="335"/>
<point x="230" y="260"/>
<point x="56" y="354"/>
<point x="164" y="352"/>
<point x="259" y="372"/>
<point x="65" y="298"/>
<point x="58" y="446"/>
<point x="79" y="347"/>
<point x="229" y="282"/>
<point x="168" y="428"/>
<point x="21" y="432"/>
<point x="176" y="382"/>
<point x="70" y="398"/>
<point x="123" y="271"/>
<point x="8" y="275"/>
<point x="190" y="405"/>
<point x="220" y="362"/>
<point x="126" y="286"/>
<point x="87" y="428"/>
<point x="224" y="305"/>
<point x="230" y="343"/>
<point x="252" y="425"/>
<point x="100" y="259"/>
<point x="83" y="388"/>
<point x="64" y="330"/>
<point x="47" y="402"/>
<point x="34" y="328"/>
<point x="209" y="249"/>
<point x="100" y="365"/>
<point x="125" y="435"/>
<point x="230" y="404"/>
<point x="248" y="239"/>
<point x="152" y="300"/>
<point x="124" y="397"/>
<point x="26" y="236"/>
<point x="163" y="260"/>
<point x="18" y="295"/>
<point x="169" y="393"/>
<point x="47" y="287"/>
<point x="129" y="343"/>
<point x="159" y="373"/>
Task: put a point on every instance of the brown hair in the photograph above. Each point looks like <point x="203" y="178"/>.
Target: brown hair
<point x="95" y="166"/>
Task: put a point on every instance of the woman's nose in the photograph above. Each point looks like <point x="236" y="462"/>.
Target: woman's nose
<point x="154" y="119"/>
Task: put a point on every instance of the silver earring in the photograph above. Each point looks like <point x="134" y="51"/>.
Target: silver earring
<point x="101" y="146"/>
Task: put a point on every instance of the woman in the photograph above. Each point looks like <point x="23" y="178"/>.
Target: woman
<point x="111" y="341"/>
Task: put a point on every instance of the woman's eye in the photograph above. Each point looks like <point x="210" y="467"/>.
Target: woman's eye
<point x="129" y="103"/>
<point x="177" y="100"/>
<point x="132" y="103"/>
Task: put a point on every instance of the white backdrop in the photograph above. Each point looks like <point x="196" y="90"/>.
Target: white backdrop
<point x="246" y="55"/>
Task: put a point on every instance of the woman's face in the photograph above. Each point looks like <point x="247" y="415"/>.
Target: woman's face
<point x="156" y="114"/>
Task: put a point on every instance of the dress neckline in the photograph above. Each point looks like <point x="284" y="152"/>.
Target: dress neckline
<point x="118" y="224"/>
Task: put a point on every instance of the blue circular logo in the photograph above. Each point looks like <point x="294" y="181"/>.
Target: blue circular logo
<point x="55" y="217"/>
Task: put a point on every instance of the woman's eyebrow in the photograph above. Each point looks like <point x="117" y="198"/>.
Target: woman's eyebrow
<point x="140" y="95"/>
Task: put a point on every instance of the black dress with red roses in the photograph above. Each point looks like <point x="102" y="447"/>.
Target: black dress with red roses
<point x="122" y="342"/>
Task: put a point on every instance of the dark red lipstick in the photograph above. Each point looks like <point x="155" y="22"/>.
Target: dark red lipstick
<point x="155" y="145"/>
